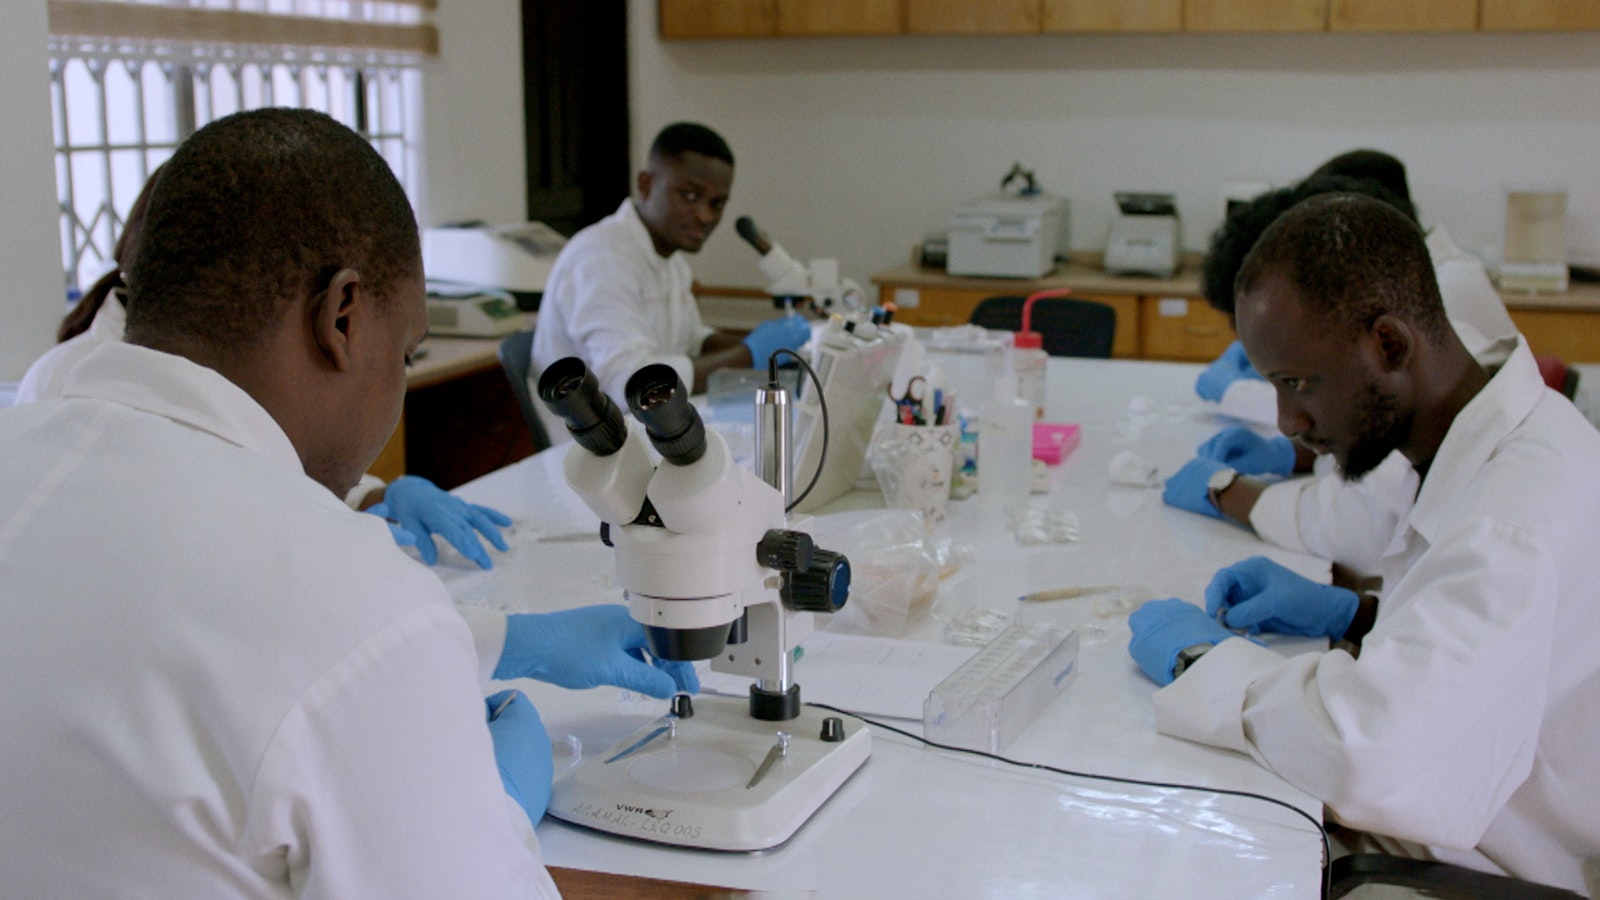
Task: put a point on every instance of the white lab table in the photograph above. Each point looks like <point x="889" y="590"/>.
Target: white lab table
<point x="921" y="822"/>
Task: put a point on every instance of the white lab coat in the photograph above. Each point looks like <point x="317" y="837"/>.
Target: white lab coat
<point x="614" y="302"/>
<point x="1468" y="724"/>
<point x="220" y="681"/>
<point x="1350" y="523"/>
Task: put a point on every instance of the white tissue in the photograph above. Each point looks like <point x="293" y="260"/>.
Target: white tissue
<point x="1131" y="469"/>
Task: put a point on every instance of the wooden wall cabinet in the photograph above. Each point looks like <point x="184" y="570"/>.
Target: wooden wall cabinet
<point x="832" y="18"/>
<point x="1185" y="329"/>
<point x="1539" y="15"/>
<point x="1402" y="15"/>
<point x="972" y="16"/>
<point x="695" y="19"/>
<point x="1255" y="15"/>
<point x="1109" y="16"/>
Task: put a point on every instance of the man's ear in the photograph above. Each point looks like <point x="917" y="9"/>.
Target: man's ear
<point x="1394" y="340"/>
<point x="330" y="317"/>
<point x="644" y="180"/>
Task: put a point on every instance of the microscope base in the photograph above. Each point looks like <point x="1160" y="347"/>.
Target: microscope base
<point x="690" y="789"/>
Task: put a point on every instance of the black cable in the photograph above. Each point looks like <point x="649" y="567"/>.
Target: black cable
<point x="822" y="454"/>
<point x="1322" y="831"/>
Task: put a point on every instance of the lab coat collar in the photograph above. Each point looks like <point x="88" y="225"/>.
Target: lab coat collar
<point x="186" y="392"/>
<point x="640" y="235"/>
<point x="1478" y="430"/>
<point x="111" y="319"/>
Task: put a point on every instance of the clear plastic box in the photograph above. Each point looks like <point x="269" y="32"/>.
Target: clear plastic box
<point x="997" y="693"/>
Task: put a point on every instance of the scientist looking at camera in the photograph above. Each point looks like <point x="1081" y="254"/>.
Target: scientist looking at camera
<point x="1456" y="718"/>
<point x="620" y="294"/>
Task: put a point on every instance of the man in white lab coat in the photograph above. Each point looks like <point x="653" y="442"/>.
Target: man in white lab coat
<point x="223" y="682"/>
<point x="619" y="296"/>
<point x="1347" y="521"/>
<point x="1459" y="719"/>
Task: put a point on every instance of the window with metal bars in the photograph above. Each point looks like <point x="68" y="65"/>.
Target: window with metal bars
<point x="130" y="80"/>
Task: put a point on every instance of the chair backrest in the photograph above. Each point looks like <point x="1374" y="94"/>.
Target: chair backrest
<point x="516" y="358"/>
<point x="1067" y="325"/>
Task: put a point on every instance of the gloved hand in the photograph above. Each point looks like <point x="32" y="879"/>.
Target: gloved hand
<point x="1188" y="488"/>
<point x="522" y="750"/>
<point x="420" y="507"/>
<point x="401" y="536"/>
<point x="1231" y="366"/>
<point x="1260" y="595"/>
<point x="587" y="647"/>
<point x="1250" y="453"/>
<point x="785" y="333"/>
<point x="1163" y="628"/>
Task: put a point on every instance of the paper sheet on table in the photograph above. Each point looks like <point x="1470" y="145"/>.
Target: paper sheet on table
<point x="870" y="676"/>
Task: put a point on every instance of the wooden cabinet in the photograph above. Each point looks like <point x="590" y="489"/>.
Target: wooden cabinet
<point x="1254" y="15"/>
<point x="1182" y="328"/>
<point x="691" y="19"/>
<point x="1539" y="15"/>
<point x="1574" y="337"/>
<point x="827" y="18"/>
<point x="1402" y="15"/>
<point x="972" y="16"/>
<point x="1111" y="15"/>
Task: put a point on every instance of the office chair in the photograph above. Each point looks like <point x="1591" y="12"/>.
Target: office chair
<point x="1068" y="326"/>
<point x="516" y="358"/>
<point x="1434" y="879"/>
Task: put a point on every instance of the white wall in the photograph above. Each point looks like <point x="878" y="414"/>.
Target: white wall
<point x="33" y="299"/>
<point x="857" y="147"/>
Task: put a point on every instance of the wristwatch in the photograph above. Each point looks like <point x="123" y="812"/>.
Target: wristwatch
<point x="1188" y="656"/>
<point x="1219" y="481"/>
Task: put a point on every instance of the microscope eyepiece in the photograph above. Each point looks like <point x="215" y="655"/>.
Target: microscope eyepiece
<point x="659" y="400"/>
<point x="571" y="391"/>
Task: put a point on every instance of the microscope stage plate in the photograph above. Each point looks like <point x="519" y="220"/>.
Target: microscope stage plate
<point x="690" y="789"/>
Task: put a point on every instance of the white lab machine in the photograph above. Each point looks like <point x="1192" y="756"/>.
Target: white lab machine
<point x="1007" y="236"/>
<point x="817" y="281"/>
<point x="711" y="568"/>
<point x="459" y="311"/>
<point x="1145" y="237"/>
<point x="515" y="257"/>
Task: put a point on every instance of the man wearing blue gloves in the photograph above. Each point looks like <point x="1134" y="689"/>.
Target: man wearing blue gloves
<point x="1242" y="475"/>
<point x="1456" y="719"/>
<point x="619" y="296"/>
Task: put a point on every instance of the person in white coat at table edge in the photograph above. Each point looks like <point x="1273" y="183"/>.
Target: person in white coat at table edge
<point x="225" y="683"/>
<point x="619" y="295"/>
<point x="1457" y="717"/>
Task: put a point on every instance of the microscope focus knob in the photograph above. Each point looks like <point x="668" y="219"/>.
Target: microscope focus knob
<point x="832" y="730"/>
<point x="823" y="586"/>
<point x="786" y="551"/>
<point x="682" y="706"/>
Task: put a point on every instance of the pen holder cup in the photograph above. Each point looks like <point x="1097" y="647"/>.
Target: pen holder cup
<point x="914" y="464"/>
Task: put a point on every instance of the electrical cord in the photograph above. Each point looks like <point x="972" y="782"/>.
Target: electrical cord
<point x="822" y="454"/>
<point x="1322" y="831"/>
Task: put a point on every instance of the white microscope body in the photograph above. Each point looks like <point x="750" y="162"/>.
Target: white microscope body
<point x="817" y="281"/>
<point x="710" y="568"/>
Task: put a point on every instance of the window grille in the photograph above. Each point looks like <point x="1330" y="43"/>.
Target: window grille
<point x="131" y="79"/>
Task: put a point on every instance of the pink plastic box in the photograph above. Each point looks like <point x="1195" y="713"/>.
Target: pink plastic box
<point x="1053" y="443"/>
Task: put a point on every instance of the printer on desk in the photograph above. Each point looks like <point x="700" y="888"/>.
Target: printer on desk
<point x="481" y="278"/>
<point x="1007" y="236"/>
<point x="1145" y="236"/>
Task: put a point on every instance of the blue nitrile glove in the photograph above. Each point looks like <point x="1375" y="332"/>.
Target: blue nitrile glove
<point x="785" y="333"/>
<point x="1231" y="366"/>
<point x="1250" y="453"/>
<point x="420" y="507"/>
<point x="522" y="750"/>
<point x="1188" y="488"/>
<point x="401" y="536"/>
<point x="1163" y="628"/>
<point x="587" y="647"/>
<point x="1260" y="595"/>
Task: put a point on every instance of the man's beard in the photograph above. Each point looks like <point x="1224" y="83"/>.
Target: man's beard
<point x="1385" y="431"/>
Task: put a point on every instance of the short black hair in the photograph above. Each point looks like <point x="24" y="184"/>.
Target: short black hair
<point x="1244" y="226"/>
<point x="689" y="137"/>
<point x="255" y="210"/>
<point x="1351" y="258"/>
<point x="1374" y="165"/>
